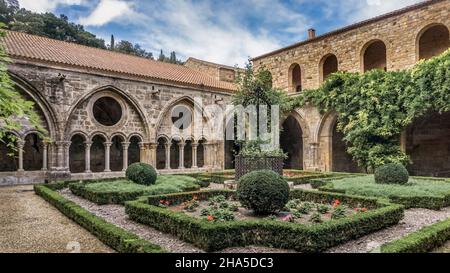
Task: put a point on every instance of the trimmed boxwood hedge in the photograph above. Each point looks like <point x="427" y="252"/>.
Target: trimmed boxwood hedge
<point x="213" y="236"/>
<point x="422" y="241"/>
<point x="426" y="202"/>
<point x="117" y="238"/>
<point x="104" y="198"/>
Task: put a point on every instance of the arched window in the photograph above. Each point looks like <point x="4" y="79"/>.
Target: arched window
<point x="295" y="78"/>
<point x="98" y="154"/>
<point x="328" y="66"/>
<point x="77" y="162"/>
<point x="433" y="41"/>
<point x="374" y="56"/>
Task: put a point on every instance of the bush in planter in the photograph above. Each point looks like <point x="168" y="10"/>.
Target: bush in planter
<point x="264" y="192"/>
<point x="141" y="173"/>
<point x="393" y="173"/>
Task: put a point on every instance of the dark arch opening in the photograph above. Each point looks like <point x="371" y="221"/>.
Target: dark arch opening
<point x="341" y="160"/>
<point x="428" y="145"/>
<point x="8" y="155"/>
<point x="201" y="153"/>
<point x="161" y="154"/>
<point x="98" y="154"/>
<point x="433" y="42"/>
<point x="375" y="56"/>
<point x="134" y="151"/>
<point x="291" y="140"/>
<point x="77" y="162"/>
<point x="296" y="78"/>
<point x="33" y="156"/>
<point x="175" y="155"/>
<point x="330" y="66"/>
<point x="188" y="154"/>
<point x="116" y="154"/>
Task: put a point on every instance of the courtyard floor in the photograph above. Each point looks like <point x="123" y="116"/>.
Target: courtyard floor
<point x="28" y="224"/>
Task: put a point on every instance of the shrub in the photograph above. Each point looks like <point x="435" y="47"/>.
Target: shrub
<point x="141" y="173"/>
<point x="394" y="173"/>
<point x="264" y="192"/>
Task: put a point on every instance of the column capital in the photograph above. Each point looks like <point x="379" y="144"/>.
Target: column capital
<point x="107" y="144"/>
<point x="88" y="143"/>
<point x="20" y="143"/>
<point x="153" y="145"/>
<point x="125" y="145"/>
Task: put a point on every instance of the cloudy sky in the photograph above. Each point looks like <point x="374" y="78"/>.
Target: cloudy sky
<point x="227" y="32"/>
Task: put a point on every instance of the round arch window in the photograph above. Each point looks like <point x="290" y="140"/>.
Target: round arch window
<point x="107" y="111"/>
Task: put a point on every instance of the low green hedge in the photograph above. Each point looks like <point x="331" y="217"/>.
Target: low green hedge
<point x="422" y="241"/>
<point x="213" y="236"/>
<point x="426" y="202"/>
<point x="117" y="238"/>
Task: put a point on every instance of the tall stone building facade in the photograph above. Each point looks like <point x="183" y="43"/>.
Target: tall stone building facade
<point x="394" y="41"/>
<point x="104" y="110"/>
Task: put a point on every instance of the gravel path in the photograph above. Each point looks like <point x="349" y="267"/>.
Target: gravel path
<point x="414" y="220"/>
<point x="28" y="224"/>
<point x="116" y="215"/>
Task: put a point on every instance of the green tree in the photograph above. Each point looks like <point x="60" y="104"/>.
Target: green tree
<point x="13" y="107"/>
<point x="162" y="57"/>
<point x="128" y="48"/>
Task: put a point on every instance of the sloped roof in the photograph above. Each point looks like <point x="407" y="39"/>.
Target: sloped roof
<point x="41" y="49"/>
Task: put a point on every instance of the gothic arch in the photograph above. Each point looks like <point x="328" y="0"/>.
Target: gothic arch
<point x="442" y="45"/>
<point x="373" y="55"/>
<point x="124" y="95"/>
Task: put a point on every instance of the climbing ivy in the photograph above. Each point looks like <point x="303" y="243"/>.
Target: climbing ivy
<point x="374" y="108"/>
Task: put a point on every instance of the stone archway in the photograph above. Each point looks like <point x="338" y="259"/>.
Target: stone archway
<point x="432" y="41"/>
<point x="98" y="154"/>
<point x="33" y="156"/>
<point x="341" y="160"/>
<point x="134" y="150"/>
<point x="374" y="56"/>
<point x="8" y="155"/>
<point x="428" y="145"/>
<point x="77" y="157"/>
<point x="328" y="65"/>
<point x="291" y="141"/>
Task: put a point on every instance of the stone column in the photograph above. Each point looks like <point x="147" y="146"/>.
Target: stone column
<point x="181" y="153"/>
<point x="67" y="155"/>
<point x="167" y="156"/>
<point x="60" y="155"/>
<point x="194" y="156"/>
<point x="107" y="156"/>
<point x="152" y="153"/>
<point x="44" y="156"/>
<point x="87" y="156"/>
<point x="142" y="152"/>
<point x="314" y="157"/>
<point x="125" y="146"/>
<point x="20" y="145"/>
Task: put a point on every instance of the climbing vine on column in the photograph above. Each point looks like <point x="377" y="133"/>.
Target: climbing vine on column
<point x="375" y="108"/>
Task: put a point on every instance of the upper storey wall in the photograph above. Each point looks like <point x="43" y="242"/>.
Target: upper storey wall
<point x="399" y="33"/>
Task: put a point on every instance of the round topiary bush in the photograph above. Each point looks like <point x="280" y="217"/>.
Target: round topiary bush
<point x="264" y="192"/>
<point x="392" y="174"/>
<point x="141" y="173"/>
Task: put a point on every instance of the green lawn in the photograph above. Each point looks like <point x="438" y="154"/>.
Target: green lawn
<point x="366" y="186"/>
<point x="164" y="184"/>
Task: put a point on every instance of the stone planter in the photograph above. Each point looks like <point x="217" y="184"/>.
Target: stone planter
<point x="245" y="165"/>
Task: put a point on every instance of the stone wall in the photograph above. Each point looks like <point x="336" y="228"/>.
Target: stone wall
<point x="400" y="34"/>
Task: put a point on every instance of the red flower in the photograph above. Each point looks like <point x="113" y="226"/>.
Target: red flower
<point x="167" y="203"/>
<point x="195" y="197"/>
<point x="210" y="218"/>
<point x="336" y="204"/>
<point x="162" y="202"/>
<point x="363" y="209"/>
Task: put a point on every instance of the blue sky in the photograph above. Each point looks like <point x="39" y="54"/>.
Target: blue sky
<point x="222" y="31"/>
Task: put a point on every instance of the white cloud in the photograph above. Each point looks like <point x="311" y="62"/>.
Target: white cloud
<point x="48" y="5"/>
<point x="108" y="11"/>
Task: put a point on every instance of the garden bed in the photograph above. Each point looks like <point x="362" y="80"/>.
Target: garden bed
<point x="305" y="177"/>
<point x="163" y="213"/>
<point x="122" y="190"/>
<point x="418" y="193"/>
<point x="117" y="238"/>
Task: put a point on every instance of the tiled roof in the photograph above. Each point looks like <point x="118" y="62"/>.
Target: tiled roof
<point x="40" y="49"/>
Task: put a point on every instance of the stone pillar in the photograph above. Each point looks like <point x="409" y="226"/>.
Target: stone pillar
<point x="167" y="156"/>
<point x="125" y="146"/>
<point x="142" y="152"/>
<point x="314" y="157"/>
<point x="107" y="156"/>
<point x="60" y="155"/>
<point x="181" y="153"/>
<point x="87" y="156"/>
<point x="67" y="155"/>
<point x="20" y="145"/>
<point x="194" y="155"/>
<point x="152" y="153"/>
<point x="44" y="156"/>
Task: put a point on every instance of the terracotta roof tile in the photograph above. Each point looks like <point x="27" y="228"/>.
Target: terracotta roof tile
<point x="30" y="47"/>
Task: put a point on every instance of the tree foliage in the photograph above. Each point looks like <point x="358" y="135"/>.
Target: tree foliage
<point x="13" y="108"/>
<point x="374" y="108"/>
